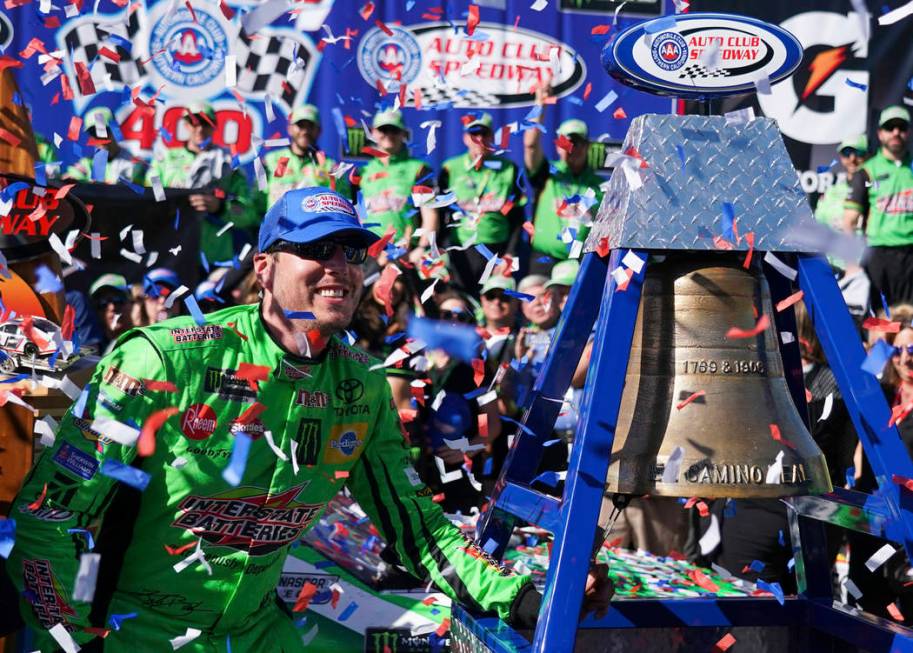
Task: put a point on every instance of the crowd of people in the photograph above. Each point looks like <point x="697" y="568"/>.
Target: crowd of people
<point x="476" y="260"/>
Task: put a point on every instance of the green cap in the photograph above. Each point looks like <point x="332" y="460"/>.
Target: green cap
<point x="894" y="112"/>
<point x="196" y="108"/>
<point x="305" y="112"/>
<point x="499" y="282"/>
<point x="97" y="115"/>
<point x="391" y="118"/>
<point x="116" y="281"/>
<point x="531" y="281"/>
<point x="859" y="143"/>
<point x="564" y="273"/>
<point x="573" y="127"/>
<point x="481" y="120"/>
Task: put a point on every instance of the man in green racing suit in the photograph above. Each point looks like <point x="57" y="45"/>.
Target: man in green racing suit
<point x="199" y="453"/>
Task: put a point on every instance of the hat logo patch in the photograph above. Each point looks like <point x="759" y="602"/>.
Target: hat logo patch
<point x="326" y="203"/>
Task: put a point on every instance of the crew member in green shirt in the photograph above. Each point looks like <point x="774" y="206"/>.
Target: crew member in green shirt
<point x="223" y="196"/>
<point x="387" y="183"/>
<point x="118" y="162"/>
<point x="489" y="203"/>
<point x="303" y="164"/>
<point x="852" y="153"/>
<point x="568" y="192"/>
<point x="882" y="198"/>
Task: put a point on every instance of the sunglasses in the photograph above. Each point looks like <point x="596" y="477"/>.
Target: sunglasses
<point x="457" y="316"/>
<point x="850" y="151"/>
<point x="322" y="250"/>
<point x="496" y="296"/>
<point x="895" y="126"/>
<point x="389" y="129"/>
<point x="103" y="301"/>
<point x="899" y="350"/>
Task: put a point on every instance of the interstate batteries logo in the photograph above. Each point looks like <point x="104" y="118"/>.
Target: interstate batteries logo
<point x="47" y="595"/>
<point x="439" y="65"/>
<point x="246" y="519"/>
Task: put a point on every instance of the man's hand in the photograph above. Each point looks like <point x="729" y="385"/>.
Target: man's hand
<point x="205" y="202"/>
<point x="598" y="592"/>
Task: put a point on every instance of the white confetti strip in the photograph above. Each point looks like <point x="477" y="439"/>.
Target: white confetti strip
<point x="224" y="229"/>
<point x="673" y="465"/>
<point x="268" y="436"/>
<point x="58" y="246"/>
<point x="620" y="276"/>
<point x="177" y="294"/>
<point x="95" y="245"/>
<point x="828" y="407"/>
<point x="633" y="261"/>
<point x="429" y="291"/>
<point x="84" y="587"/>
<point x="780" y="266"/>
<point x="60" y="634"/>
<point x="157" y="189"/>
<point x="179" y="462"/>
<point x="431" y="138"/>
<point x="880" y="557"/>
<point x="396" y="356"/>
<point x="487" y="398"/>
<point x="186" y="638"/>
<point x="131" y="256"/>
<point x="710" y="540"/>
<point x="137" y="236"/>
<point x="786" y="337"/>
<point x="606" y="101"/>
<point x="739" y="117"/>
<point x="539" y="5"/>
<point x="263" y="15"/>
<point x="114" y="430"/>
<point x="775" y="471"/>
<point x="851" y="588"/>
<point x="632" y="177"/>
<point x="231" y="70"/>
<point x="260" y="173"/>
<point x="447" y="477"/>
<point x="896" y="14"/>
<point x="308" y="637"/>
<point x="46" y="428"/>
<point x="294" y="447"/>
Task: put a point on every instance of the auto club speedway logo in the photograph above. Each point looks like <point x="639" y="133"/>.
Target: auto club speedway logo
<point x="179" y="54"/>
<point x="247" y="518"/>
<point x="818" y="106"/>
<point x="497" y="72"/>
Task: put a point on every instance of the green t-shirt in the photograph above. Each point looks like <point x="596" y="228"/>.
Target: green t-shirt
<point x="386" y="186"/>
<point x="831" y="205"/>
<point x="300" y="172"/>
<point x="555" y="209"/>
<point x="486" y="196"/>
<point x="887" y="201"/>
<point x="330" y="423"/>
<point x="119" y="166"/>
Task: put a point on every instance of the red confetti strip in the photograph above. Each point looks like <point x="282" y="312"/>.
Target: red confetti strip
<point x="98" y="632"/>
<point x="564" y="143"/>
<point x="341" y="474"/>
<point x="73" y="129"/>
<point x="895" y="612"/>
<point x="407" y="415"/>
<point x="384" y="285"/>
<point x="724" y="644"/>
<point x="602" y="247"/>
<point x="145" y="445"/>
<point x="505" y="137"/>
<point x="437" y="498"/>
<point x="789" y="301"/>
<point x="735" y="333"/>
<point x="68" y="323"/>
<point x="749" y="238"/>
<point x="776" y="435"/>
<point x="483" y="425"/>
<point x="366" y="10"/>
<point x="193" y="14"/>
<point x="163" y="386"/>
<point x="334" y="600"/>
<point x="601" y="29"/>
<point x="682" y="404"/>
<point x="429" y="600"/>
<point x="251" y="414"/>
<point x="902" y="481"/>
<point x="702" y="580"/>
<point x="378" y="246"/>
<point x="109" y="54"/>
<point x="227" y="11"/>
<point x="702" y="509"/>
<point x="9" y="62"/>
<point x="880" y="324"/>
<point x="373" y="151"/>
<point x="281" y="167"/>
<point x="383" y="28"/>
<point x="234" y="329"/>
<point x="506" y="207"/>
<point x="308" y="590"/>
<point x="899" y="414"/>
<point x="252" y="373"/>
<point x="478" y="371"/>
<point x="28" y="330"/>
<point x="9" y="137"/>
<point x="443" y="628"/>
<point x="472" y="20"/>
<point x="620" y="114"/>
<point x="417" y="98"/>
<point x="36" y="504"/>
<point x="587" y="90"/>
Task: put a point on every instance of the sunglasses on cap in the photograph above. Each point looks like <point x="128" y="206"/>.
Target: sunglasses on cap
<point x="899" y="350"/>
<point x="850" y="151"/>
<point x="389" y="129"/>
<point x="321" y="250"/>
<point x="457" y="316"/>
<point x="895" y="125"/>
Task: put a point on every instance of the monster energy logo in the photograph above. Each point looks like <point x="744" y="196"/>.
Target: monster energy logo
<point x="308" y="442"/>
<point x="356" y="139"/>
<point x="400" y="640"/>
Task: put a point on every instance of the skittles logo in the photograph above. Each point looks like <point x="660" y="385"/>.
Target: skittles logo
<point x="384" y="58"/>
<point x="670" y="52"/>
<point x="194" y="46"/>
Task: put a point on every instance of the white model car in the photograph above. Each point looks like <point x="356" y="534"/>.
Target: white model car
<point x="20" y="350"/>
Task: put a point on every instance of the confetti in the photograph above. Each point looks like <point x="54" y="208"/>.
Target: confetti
<point x="735" y="333"/>
<point x="145" y="445"/>
<point x="348" y="612"/>
<point x="308" y="591"/>
<point x="777" y="436"/>
<point x="896" y="15"/>
<point x="182" y="640"/>
<point x="691" y="398"/>
<point x="789" y="301"/>
<point x="673" y="465"/>
<point x="895" y="612"/>
<point x="606" y="101"/>
<point x="724" y="644"/>
<point x="84" y="587"/>
<point x="7" y="536"/>
<point x="131" y="476"/>
<point x="878" y="356"/>
<point x="880" y="557"/>
<point x="63" y="638"/>
<point x="235" y="469"/>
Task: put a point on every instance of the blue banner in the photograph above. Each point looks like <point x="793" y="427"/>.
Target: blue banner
<point x="254" y="62"/>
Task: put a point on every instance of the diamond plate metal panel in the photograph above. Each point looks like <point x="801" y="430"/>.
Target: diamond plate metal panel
<point x="694" y="165"/>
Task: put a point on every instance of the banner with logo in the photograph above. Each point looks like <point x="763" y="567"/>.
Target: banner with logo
<point x="256" y="61"/>
<point x="852" y="67"/>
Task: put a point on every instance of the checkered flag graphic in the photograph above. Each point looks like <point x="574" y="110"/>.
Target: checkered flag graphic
<point x="264" y="64"/>
<point x="700" y="71"/>
<point x="461" y="98"/>
<point x="84" y="40"/>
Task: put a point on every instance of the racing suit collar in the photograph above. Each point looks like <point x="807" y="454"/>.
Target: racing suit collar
<point x="286" y="365"/>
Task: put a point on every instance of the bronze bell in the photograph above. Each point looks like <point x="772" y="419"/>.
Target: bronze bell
<point x="680" y="348"/>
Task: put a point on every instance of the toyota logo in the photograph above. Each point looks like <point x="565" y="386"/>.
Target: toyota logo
<point x="350" y="390"/>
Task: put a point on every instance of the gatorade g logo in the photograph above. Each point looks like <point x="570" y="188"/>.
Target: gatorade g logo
<point x="308" y="438"/>
<point x="350" y="390"/>
<point x="346" y="442"/>
<point x="198" y="422"/>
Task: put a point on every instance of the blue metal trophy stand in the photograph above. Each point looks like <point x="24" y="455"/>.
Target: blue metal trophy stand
<point x="746" y="164"/>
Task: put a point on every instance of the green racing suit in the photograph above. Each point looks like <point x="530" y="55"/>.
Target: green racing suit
<point x="331" y="418"/>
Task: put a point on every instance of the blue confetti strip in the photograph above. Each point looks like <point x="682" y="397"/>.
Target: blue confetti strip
<point x="99" y="165"/>
<point x="851" y="477"/>
<point x="827" y="167"/>
<point x="728" y="220"/>
<point x="522" y="296"/>
<point x="46" y="280"/>
<point x="177" y="218"/>
<point x="79" y="407"/>
<point x="878" y="356"/>
<point x="194" y="309"/>
<point x="458" y="340"/>
<point x="90" y="541"/>
<point x="773" y="588"/>
<point x="323" y="564"/>
<point x="125" y="474"/>
<point x="349" y="611"/>
<point x="7" y="537"/>
<point x="756" y="565"/>
<point x="681" y="155"/>
<point x="861" y="87"/>
<point x="549" y="478"/>
<point x="117" y="619"/>
<point x="235" y="470"/>
<point x="661" y="25"/>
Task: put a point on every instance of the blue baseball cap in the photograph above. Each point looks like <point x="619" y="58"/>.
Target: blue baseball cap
<point x="305" y="215"/>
